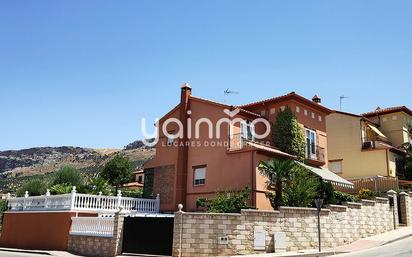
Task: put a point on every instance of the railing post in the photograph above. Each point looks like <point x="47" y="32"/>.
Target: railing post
<point x="8" y="202"/>
<point x="26" y="195"/>
<point x="157" y="203"/>
<point x="73" y="198"/>
<point x="119" y="199"/>
<point x="46" y="198"/>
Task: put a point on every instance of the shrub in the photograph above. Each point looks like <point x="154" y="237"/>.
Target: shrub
<point x="3" y="207"/>
<point x="365" y="194"/>
<point x="97" y="184"/>
<point x="342" y="197"/>
<point x="135" y="193"/>
<point x="68" y="175"/>
<point x="59" y="189"/>
<point x="34" y="187"/>
<point x="301" y="190"/>
<point x="226" y="202"/>
<point x="327" y="191"/>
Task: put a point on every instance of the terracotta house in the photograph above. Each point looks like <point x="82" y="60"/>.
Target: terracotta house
<point x="198" y="165"/>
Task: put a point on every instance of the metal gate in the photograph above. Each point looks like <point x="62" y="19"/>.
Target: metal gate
<point x="148" y="235"/>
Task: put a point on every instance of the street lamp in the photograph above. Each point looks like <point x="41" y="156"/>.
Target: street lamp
<point x="319" y="203"/>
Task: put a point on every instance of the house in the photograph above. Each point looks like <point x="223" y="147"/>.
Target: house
<point x="367" y="145"/>
<point x="217" y="151"/>
<point x="137" y="180"/>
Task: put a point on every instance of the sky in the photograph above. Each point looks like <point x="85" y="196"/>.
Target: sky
<point x="84" y="73"/>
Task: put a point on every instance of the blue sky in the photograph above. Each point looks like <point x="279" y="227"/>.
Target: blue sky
<point x="84" y="73"/>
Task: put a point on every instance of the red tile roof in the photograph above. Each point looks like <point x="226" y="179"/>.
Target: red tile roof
<point x="381" y="111"/>
<point x="291" y="95"/>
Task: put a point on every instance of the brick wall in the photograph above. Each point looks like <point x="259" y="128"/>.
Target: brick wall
<point x="163" y="183"/>
<point x="196" y="234"/>
<point x="99" y="246"/>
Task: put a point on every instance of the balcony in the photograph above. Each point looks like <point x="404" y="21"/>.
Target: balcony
<point x="373" y="143"/>
<point x="315" y="155"/>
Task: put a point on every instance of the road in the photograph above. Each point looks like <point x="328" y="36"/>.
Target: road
<point x="402" y="248"/>
<point x="16" y="254"/>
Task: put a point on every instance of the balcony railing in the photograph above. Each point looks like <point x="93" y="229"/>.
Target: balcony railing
<point x="238" y="141"/>
<point x="315" y="153"/>
<point x="372" y="143"/>
<point x="86" y="202"/>
<point x="92" y="226"/>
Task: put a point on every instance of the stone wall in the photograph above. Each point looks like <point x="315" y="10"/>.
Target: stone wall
<point x="204" y="234"/>
<point x="163" y="183"/>
<point x="99" y="246"/>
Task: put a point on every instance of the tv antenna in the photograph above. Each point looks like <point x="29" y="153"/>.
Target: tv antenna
<point x="340" y="101"/>
<point x="229" y="92"/>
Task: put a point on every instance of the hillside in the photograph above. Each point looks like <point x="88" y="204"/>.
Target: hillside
<point x="17" y="166"/>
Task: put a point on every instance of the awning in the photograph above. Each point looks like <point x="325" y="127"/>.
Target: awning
<point x="328" y="175"/>
<point x="376" y="130"/>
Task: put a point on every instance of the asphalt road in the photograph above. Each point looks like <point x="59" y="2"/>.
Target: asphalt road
<point x="402" y="248"/>
<point x="16" y="254"/>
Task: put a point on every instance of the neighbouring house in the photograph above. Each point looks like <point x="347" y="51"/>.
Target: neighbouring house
<point x="212" y="156"/>
<point x="367" y="146"/>
<point x="137" y="180"/>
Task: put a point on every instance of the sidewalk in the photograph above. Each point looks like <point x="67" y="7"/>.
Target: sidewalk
<point x="361" y="244"/>
<point x="43" y="252"/>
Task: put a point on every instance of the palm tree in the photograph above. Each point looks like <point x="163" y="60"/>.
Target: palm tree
<point x="277" y="171"/>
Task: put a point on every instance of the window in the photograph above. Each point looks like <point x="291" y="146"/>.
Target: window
<point x="305" y="112"/>
<point x="384" y="119"/>
<point x="139" y="179"/>
<point x="313" y="115"/>
<point x="246" y="130"/>
<point x="335" y="166"/>
<point x="394" y="117"/>
<point x="199" y="176"/>
<point x="263" y="112"/>
<point x="297" y="109"/>
<point x="282" y="108"/>
<point x="320" y="118"/>
<point x="273" y="111"/>
<point x="310" y="144"/>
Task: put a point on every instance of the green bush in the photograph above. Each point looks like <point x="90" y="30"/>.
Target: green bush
<point x="68" y="175"/>
<point x="34" y="187"/>
<point x="59" y="189"/>
<point x="97" y="184"/>
<point x="342" y="197"/>
<point x="328" y="192"/>
<point x="135" y="193"/>
<point x="301" y="190"/>
<point x="226" y="202"/>
<point x="3" y="207"/>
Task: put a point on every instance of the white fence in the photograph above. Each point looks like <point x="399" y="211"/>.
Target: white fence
<point x="75" y="201"/>
<point x="92" y="226"/>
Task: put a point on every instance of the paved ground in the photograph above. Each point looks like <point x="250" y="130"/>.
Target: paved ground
<point x="17" y="254"/>
<point x="402" y="248"/>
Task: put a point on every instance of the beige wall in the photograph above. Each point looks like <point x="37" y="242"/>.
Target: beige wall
<point x="344" y="142"/>
<point x="394" y="126"/>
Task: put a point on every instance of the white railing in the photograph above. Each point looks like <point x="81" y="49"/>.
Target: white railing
<point x="86" y="202"/>
<point x="92" y="226"/>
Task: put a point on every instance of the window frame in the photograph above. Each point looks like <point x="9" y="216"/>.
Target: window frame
<point x="194" y="175"/>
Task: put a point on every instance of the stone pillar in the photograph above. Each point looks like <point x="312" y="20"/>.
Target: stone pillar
<point x="404" y="208"/>
<point x="117" y="239"/>
<point x="392" y="195"/>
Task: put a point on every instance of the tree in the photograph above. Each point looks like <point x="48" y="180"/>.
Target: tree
<point x="69" y="176"/>
<point x="287" y="134"/>
<point x="406" y="160"/>
<point x="117" y="171"/>
<point x="278" y="172"/>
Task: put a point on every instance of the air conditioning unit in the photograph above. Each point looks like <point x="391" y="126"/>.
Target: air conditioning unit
<point x="367" y="145"/>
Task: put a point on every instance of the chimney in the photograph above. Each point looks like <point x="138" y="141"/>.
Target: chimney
<point x="185" y="92"/>
<point x="317" y="99"/>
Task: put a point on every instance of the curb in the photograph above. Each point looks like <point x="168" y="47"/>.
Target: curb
<point x="23" y="251"/>
<point x="397" y="239"/>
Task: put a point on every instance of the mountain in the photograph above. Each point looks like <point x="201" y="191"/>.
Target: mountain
<point x="17" y="166"/>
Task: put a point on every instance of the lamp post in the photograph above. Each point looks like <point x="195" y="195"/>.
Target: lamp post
<point x="319" y="203"/>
